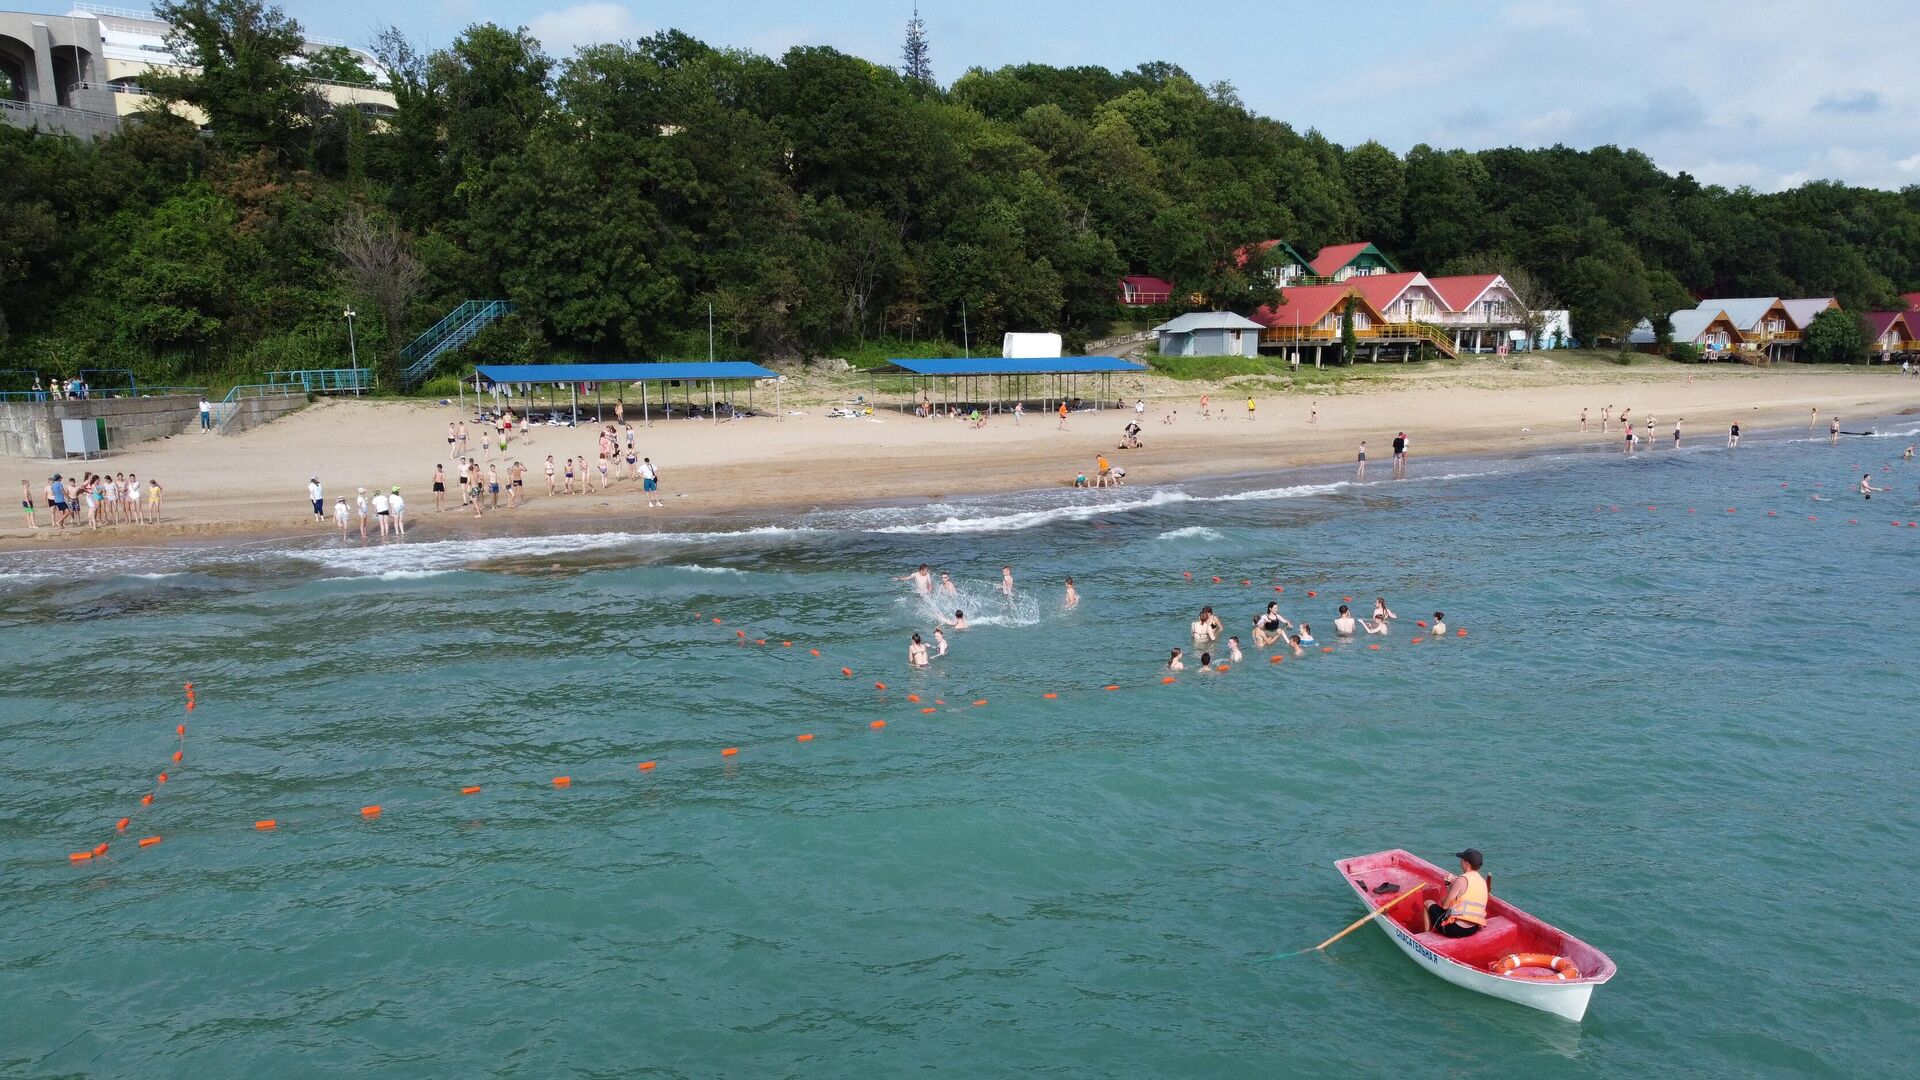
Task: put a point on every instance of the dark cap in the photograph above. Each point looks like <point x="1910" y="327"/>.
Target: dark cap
<point x="1471" y="857"/>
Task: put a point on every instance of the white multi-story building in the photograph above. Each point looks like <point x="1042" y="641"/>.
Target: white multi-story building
<point x="80" y="73"/>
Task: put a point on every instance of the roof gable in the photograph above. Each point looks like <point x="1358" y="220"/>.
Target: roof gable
<point x="1335" y="257"/>
<point x="1691" y="323"/>
<point x="1305" y="305"/>
<point x="1803" y="311"/>
<point x="1462" y="291"/>
<point x="1206" y="320"/>
<point x="1881" y="321"/>
<point x="1245" y="254"/>
<point x="1384" y="290"/>
<point x="1746" y="312"/>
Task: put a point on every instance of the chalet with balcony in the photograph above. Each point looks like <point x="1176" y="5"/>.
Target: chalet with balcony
<point x="1142" y="291"/>
<point x="1892" y="333"/>
<point x="1479" y="310"/>
<point x="1709" y="328"/>
<point x="1339" y="262"/>
<point x="1284" y="266"/>
<point x="1309" y="316"/>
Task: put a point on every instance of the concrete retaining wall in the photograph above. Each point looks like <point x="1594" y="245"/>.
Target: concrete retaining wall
<point x="32" y="428"/>
<point x="252" y="412"/>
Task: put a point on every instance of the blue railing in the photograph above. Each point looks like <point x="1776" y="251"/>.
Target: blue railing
<point x="226" y="409"/>
<point x="461" y="325"/>
<point x="323" y="380"/>
<point x="95" y="393"/>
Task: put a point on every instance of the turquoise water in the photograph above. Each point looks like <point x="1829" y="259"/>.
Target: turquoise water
<point x="1686" y="737"/>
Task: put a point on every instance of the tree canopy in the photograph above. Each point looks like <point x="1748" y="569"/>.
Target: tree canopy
<point x="814" y="200"/>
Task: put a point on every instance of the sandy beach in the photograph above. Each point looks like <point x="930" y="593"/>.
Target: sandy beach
<point x="254" y="484"/>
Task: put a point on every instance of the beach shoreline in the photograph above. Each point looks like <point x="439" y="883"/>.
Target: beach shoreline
<point x="251" y="487"/>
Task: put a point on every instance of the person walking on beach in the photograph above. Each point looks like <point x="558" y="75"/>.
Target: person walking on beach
<point x="1063" y="416"/>
<point x="206" y="415"/>
<point x="1813" y="417"/>
<point x="26" y="503"/>
<point x="318" y="500"/>
<point x="1362" y="472"/>
<point x="1313" y="412"/>
<point x="153" y="501"/>
<point x="516" y="479"/>
<point x="397" y="507"/>
<point x="1833" y="432"/>
<point x="1249" y="408"/>
<point x="453" y="440"/>
<point x="650" y="482"/>
<point x="1019" y="410"/>
<point x="1733" y="435"/>
<point x="1676" y="432"/>
<point x="1205" y="406"/>
<point x="1073" y="598"/>
<point x="360" y="508"/>
<point x="340" y="514"/>
<point x="1583" y="421"/>
<point x="549" y="467"/>
<point x="1140" y="407"/>
<point x="461" y="434"/>
<point x="57" y="502"/>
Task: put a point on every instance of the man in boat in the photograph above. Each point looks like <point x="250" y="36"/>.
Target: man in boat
<point x="1463" y="911"/>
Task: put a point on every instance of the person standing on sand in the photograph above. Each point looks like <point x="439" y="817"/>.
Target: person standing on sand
<point x="1019" y="410"/>
<point x="1073" y="598"/>
<point x="1583" y="421"/>
<point x="153" y="501"/>
<point x="461" y="434"/>
<point x="439" y="488"/>
<point x="493" y="485"/>
<point x="360" y="508"/>
<point x="382" y="512"/>
<point x="1063" y="416"/>
<point x="206" y="415"/>
<point x="453" y="441"/>
<point x="1249" y="408"/>
<point x="1606" y="413"/>
<point x="1813" y="417"/>
<point x="650" y="482"/>
<point x="1733" y="435"/>
<point x="1313" y="412"/>
<point x="26" y="503"/>
<point x="516" y="479"/>
<point x="549" y="467"/>
<point x="1676" y="432"/>
<point x="315" y="497"/>
<point x="1362" y="472"/>
<point x="340" y="515"/>
<point x="398" y="507"/>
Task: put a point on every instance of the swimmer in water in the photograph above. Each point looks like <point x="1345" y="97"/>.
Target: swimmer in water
<point x="1908" y="456"/>
<point x="1233" y="649"/>
<point x="946" y="586"/>
<point x="1381" y="610"/>
<point x="1206" y="661"/>
<point x="1374" y="626"/>
<point x="922" y="580"/>
<point x="1206" y="628"/>
<point x="1073" y="598"/>
<point x="1439" y="624"/>
<point x="1733" y="436"/>
<point x="1174" y="663"/>
<point x="959" y="619"/>
<point x="1006" y="581"/>
<point x="917" y="652"/>
<point x="1305" y="636"/>
<point x="1866" y="486"/>
<point x="1343" y="623"/>
<point x="1266" y="626"/>
<point x="940" y="640"/>
<point x="1294" y="642"/>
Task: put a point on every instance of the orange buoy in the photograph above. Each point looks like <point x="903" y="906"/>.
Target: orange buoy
<point x="786" y="644"/>
<point x="645" y="765"/>
<point x="979" y="703"/>
<point x="1188" y="574"/>
<point x="1419" y="622"/>
<point x="121" y="825"/>
<point x="563" y="781"/>
<point x="803" y="738"/>
<point x="162" y="778"/>
<point x="1326" y="648"/>
<point x="1168" y="680"/>
<point x="847" y="671"/>
<point x="1347" y="599"/>
<point x="760" y="641"/>
<point x="939" y="701"/>
<point x="147" y="799"/>
<point x="188" y="687"/>
<point x="716" y="622"/>
<point x="1223" y="667"/>
<point x="189" y="704"/>
<point x="265" y="824"/>
<point x="1050" y="695"/>
<point x="1274" y="659"/>
<point x="1416" y="641"/>
<point x="100" y="848"/>
<point x="81" y="856"/>
<point x="926" y="710"/>
<point x="370" y="811"/>
<point x="180" y="729"/>
<point x="913" y="699"/>
<point x="1279" y="588"/>
<point x="1244" y="583"/>
<point x="1111" y="686"/>
<point x="730" y="751"/>
<point x="1374" y="648"/>
<point x="1310" y="592"/>
<point x="471" y="789"/>
<point x="149" y="841"/>
<point x="1462" y="632"/>
<point x="877" y="724"/>
<point x="879" y="686"/>
<point x="1216" y="579"/>
<point x="739" y="633"/>
<point x="178" y="754"/>
<point x="815" y="652"/>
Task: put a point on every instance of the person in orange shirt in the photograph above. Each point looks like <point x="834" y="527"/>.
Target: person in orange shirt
<point x="1063" y="416"/>
<point x="1105" y="471"/>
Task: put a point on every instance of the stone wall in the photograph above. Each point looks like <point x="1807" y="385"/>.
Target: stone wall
<point x="256" y="411"/>
<point x="32" y="428"/>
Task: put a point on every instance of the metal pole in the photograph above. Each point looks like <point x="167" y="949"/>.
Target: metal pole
<point x="354" y="349"/>
<point x="646" y="414"/>
<point x="966" y="344"/>
<point x="709" y="333"/>
<point x="574" y="390"/>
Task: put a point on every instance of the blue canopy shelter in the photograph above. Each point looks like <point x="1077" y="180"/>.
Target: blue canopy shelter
<point x="993" y="382"/>
<point x="713" y="373"/>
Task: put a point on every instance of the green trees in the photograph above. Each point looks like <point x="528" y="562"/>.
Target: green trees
<point x="814" y="200"/>
<point x="1836" y="337"/>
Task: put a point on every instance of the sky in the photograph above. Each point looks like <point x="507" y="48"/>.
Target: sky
<point x="1764" y="93"/>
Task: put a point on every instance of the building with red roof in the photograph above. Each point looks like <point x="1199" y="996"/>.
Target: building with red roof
<point x="1139" y="290"/>
<point x="1401" y="297"/>
<point x="1338" y="262"/>
<point x="1912" y="299"/>
<point x="1309" y="316"/>
<point x="1285" y="265"/>
<point x="1891" y="332"/>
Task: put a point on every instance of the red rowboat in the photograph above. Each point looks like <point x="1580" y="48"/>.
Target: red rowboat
<point x="1515" y="957"/>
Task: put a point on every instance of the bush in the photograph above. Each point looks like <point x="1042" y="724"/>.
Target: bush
<point x="1836" y="337"/>
<point x="1684" y="352"/>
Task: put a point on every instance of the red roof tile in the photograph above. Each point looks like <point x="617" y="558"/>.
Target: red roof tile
<point x="1880" y="320"/>
<point x="1308" y="304"/>
<point x="1461" y="290"/>
<point x="1381" y="290"/>
<point x="1335" y="256"/>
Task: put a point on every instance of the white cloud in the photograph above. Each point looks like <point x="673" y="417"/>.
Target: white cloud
<point x="563" y="32"/>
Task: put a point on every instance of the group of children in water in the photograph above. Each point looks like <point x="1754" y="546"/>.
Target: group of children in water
<point x="1270" y="628"/>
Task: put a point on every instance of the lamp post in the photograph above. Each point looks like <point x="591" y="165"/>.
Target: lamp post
<point x="354" y="350"/>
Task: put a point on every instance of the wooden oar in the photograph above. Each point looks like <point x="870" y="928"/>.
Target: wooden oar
<point x="1358" y="923"/>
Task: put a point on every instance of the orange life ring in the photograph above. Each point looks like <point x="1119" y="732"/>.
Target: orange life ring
<point x="1563" y="969"/>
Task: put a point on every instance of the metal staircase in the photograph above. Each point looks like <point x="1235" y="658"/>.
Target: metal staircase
<point x="460" y="326"/>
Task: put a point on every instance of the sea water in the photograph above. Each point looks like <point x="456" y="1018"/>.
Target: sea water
<point x="1681" y="727"/>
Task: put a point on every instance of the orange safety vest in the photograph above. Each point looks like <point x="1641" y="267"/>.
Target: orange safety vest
<point x="1471" y="908"/>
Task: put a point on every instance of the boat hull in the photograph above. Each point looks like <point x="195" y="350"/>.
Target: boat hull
<point x="1566" y="1000"/>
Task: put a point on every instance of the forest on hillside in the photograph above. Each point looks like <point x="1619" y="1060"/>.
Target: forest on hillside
<point x="815" y="201"/>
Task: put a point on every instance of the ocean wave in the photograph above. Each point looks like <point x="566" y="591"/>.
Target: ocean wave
<point x="1027" y="519"/>
<point x="1191" y="532"/>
